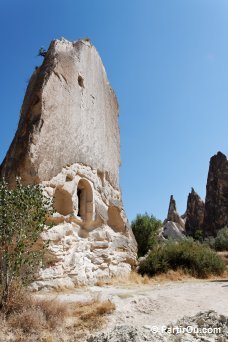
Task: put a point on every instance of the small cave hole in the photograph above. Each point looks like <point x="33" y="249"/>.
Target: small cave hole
<point x="80" y="81"/>
<point x="69" y="178"/>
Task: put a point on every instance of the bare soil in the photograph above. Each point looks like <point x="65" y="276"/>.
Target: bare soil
<point x="157" y="304"/>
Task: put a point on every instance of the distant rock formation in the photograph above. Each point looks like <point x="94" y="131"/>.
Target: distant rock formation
<point x="68" y="140"/>
<point x="216" y="203"/>
<point x="211" y="216"/>
<point x="194" y="213"/>
<point x="173" y="214"/>
<point x="174" y="224"/>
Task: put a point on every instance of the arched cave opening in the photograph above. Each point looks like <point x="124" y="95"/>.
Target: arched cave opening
<point x="85" y="200"/>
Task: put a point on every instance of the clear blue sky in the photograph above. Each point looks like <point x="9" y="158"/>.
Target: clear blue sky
<point x="168" y="64"/>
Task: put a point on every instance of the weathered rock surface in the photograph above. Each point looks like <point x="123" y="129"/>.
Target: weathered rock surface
<point x="172" y="230"/>
<point x="204" y="326"/>
<point x="194" y="213"/>
<point x="174" y="225"/>
<point x="173" y="214"/>
<point x="216" y="203"/>
<point x="69" y="114"/>
<point x="68" y="140"/>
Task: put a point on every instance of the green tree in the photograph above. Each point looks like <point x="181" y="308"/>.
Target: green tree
<point x="23" y="213"/>
<point x="145" y="228"/>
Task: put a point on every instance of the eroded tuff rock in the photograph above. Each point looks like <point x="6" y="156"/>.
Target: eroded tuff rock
<point x="68" y="140"/>
<point x="194" y="213"/>
<point x="216" y="203"/>
<point x="173" y="214"/>
<point x="174" y="225"/>
<point x="69" y="114"/>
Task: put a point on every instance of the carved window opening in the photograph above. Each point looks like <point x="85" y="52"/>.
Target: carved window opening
<point x="85" y="200"/>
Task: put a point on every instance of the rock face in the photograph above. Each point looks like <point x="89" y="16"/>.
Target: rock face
<point x="194" y="213"/>
<point x="172" y="230"/>
<point x="69" y="114"/>
<point x="216" y="203"/>
<point x="68" y="140"/>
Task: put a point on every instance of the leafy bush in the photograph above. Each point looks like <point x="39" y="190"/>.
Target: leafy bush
<point x="23" y="213"/>
<point x="192" y="257"/>
<point x="145" y="229"/>
<point x="209" y="241"/>
<point x="198" y="235"/>
<point x="221" y="240"/>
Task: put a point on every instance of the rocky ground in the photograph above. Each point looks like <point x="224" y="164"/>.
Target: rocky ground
<point x="148" y="312"/>
<point x="187" y="329"/>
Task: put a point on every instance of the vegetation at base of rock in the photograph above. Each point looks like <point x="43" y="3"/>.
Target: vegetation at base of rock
<point x="198" y="235"/>
<point x="220" y="242"/>
<point x="194" y="258"/>
<point x="145" y="228"/>
<point x="23" y="213"/>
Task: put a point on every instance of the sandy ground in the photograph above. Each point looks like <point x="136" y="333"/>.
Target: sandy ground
<point x="156" y="305"/>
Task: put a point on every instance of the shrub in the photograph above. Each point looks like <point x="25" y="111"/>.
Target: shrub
<point x="221" y="240"/>
<point x="23" y="213"/>
<point x="145" y="229"/>
<point x="190" y="256"/>
<point x="209" y="241"/>
<point x="198" y="235"/>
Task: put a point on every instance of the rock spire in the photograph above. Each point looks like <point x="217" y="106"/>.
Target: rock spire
<point x="216" y="203"/>
<point x="194" y="213"/>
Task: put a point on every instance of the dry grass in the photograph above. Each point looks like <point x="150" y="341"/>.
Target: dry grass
<point x="90" y="315"/>
<point x="30" y="319"/>
<point x="131" y="278"/>
<point x="136" y="278"/>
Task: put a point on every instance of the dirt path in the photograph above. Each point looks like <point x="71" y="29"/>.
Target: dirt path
<point x="159" y="304"/>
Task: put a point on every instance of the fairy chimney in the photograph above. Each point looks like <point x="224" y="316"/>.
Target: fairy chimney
<point x="68" y="140"/>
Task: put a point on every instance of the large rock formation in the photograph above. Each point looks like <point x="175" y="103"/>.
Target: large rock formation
<point x="216" y="203"/>
<point x="194" y="213"/>
<point x="68" y="140"/>
<point x="69" y="114"/>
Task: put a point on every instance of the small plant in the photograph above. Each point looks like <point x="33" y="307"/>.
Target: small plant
<point x="42" y="52"/>
<point x="145" y="228"/>
<point x="190" y="256"/>
<point x="86" y="39"/>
